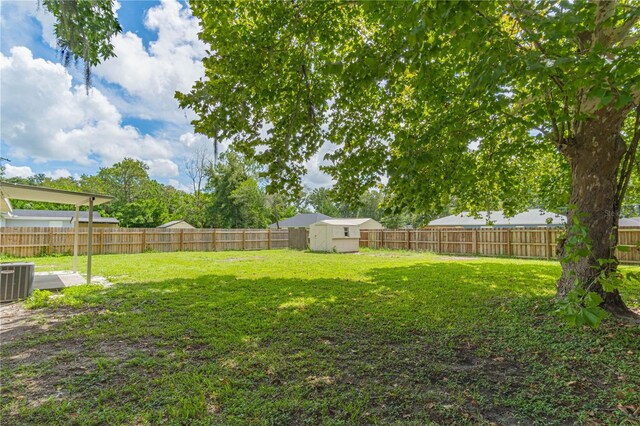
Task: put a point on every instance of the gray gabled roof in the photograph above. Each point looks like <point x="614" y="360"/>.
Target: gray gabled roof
<point x="533" y="217"/>
<point x="301" y="220"/>
<point x="629" y="222"/>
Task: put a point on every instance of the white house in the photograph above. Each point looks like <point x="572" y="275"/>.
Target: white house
<point x="53" y="218"/>
<point x="339" y="235"/>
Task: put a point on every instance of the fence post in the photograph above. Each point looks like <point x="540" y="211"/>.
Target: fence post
<point x="144" y="240"/>
<point x="243" y="239"/>
<point x="549" y="251"/>
<point x="181" y="247"/>
<point x="509" y="249"/>
<point x="101" y="238"/>
<point x="50" y="240"/>
<point x="408" y="240"/>
<point x="213" y="240"/>
<point x="439" y="240"/>
<point x="382" y="238"/>
<point x="268" y="238"/>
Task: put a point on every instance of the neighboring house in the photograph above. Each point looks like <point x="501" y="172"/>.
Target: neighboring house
<point x="177" y="224"/>
<point x="54" y="219"/>
<point x="629" y="222"/>
<point x="533" y="218"/>
<point x="301" y="220"/>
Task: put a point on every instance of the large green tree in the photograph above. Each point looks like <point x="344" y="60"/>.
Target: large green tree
<point x="237" y="201"/>
<point x="445" y="98"/>
<point x="322" y="201"/>
<point x="139" y="201"/>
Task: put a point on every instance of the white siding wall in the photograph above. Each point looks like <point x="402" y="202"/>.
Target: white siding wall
<point x="52" y="223"/>
<point x="332" y="238"/>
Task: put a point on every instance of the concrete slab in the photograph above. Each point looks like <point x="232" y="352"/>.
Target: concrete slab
<point x="57" y="280"/>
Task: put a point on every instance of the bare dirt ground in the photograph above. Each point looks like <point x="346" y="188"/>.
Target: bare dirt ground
<point x="15" y="320"/>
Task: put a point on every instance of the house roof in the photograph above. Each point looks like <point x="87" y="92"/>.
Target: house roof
<point x="99" y="220"/>
<point x="533" y="217"/>
<point x="169" y="224"/>
<point x="301" y="220"/>
<point x="83" y="216"/>
<point x="629" y="222"/>
<point x="14" y="191"/>
<point x="52" y="213"/>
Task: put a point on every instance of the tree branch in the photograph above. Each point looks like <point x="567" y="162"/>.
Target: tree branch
<point x="628" y="162"/>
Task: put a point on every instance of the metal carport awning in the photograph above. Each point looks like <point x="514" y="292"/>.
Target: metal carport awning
<point x="14" y="191"/>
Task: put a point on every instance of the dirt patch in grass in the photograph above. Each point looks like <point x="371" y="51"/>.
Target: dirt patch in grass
<point x="44" y="373"/>
<point x="15" y="320"/>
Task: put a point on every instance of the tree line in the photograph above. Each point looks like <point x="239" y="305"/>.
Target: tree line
<point x="232" y="193"/>
<point x="227" y="193"/>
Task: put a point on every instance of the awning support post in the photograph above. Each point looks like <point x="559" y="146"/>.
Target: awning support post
<point x="90" y="240"/>
<point x="76" y="228"/>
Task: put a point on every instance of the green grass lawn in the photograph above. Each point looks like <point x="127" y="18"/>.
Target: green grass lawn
<point x="283" y="337"/>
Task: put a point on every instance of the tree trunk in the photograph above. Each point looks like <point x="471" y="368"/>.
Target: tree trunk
<point x="594" y="156"/>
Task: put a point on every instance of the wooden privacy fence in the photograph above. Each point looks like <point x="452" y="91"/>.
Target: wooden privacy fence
<point x="36" y="241"/>
<point x="535" y="243"/>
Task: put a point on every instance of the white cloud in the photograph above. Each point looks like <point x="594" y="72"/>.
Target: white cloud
<point x="45" y="119"/>
<point x="58" y="173"/>
<point x="152" y="75"/>
<point x="177" y="185"/>
<point x="17" y="171"/>
<point x="315" y="177"/>
<point x="48" y="21"/>
<point x="192" y="140"/>
<point x="162" y="168"/>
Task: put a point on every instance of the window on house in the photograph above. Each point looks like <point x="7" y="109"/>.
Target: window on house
<point x="346" y="231"/>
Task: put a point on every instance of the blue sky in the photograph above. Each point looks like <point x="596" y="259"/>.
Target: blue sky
<point x="49" y="124"/>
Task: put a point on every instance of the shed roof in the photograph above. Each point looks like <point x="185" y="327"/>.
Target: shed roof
<point x="173" y="222"/>
<point x="533" y="217"/>
<point x="14" y="191"/>
<point x="301" y="220"/>
<point x="345" y="222"/>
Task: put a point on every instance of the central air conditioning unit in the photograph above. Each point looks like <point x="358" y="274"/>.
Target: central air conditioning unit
<point x="16" y="281"/>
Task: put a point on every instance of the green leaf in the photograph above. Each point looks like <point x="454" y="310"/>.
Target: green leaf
<point x="592" y="299"/>
<point x="336" y="67"/>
